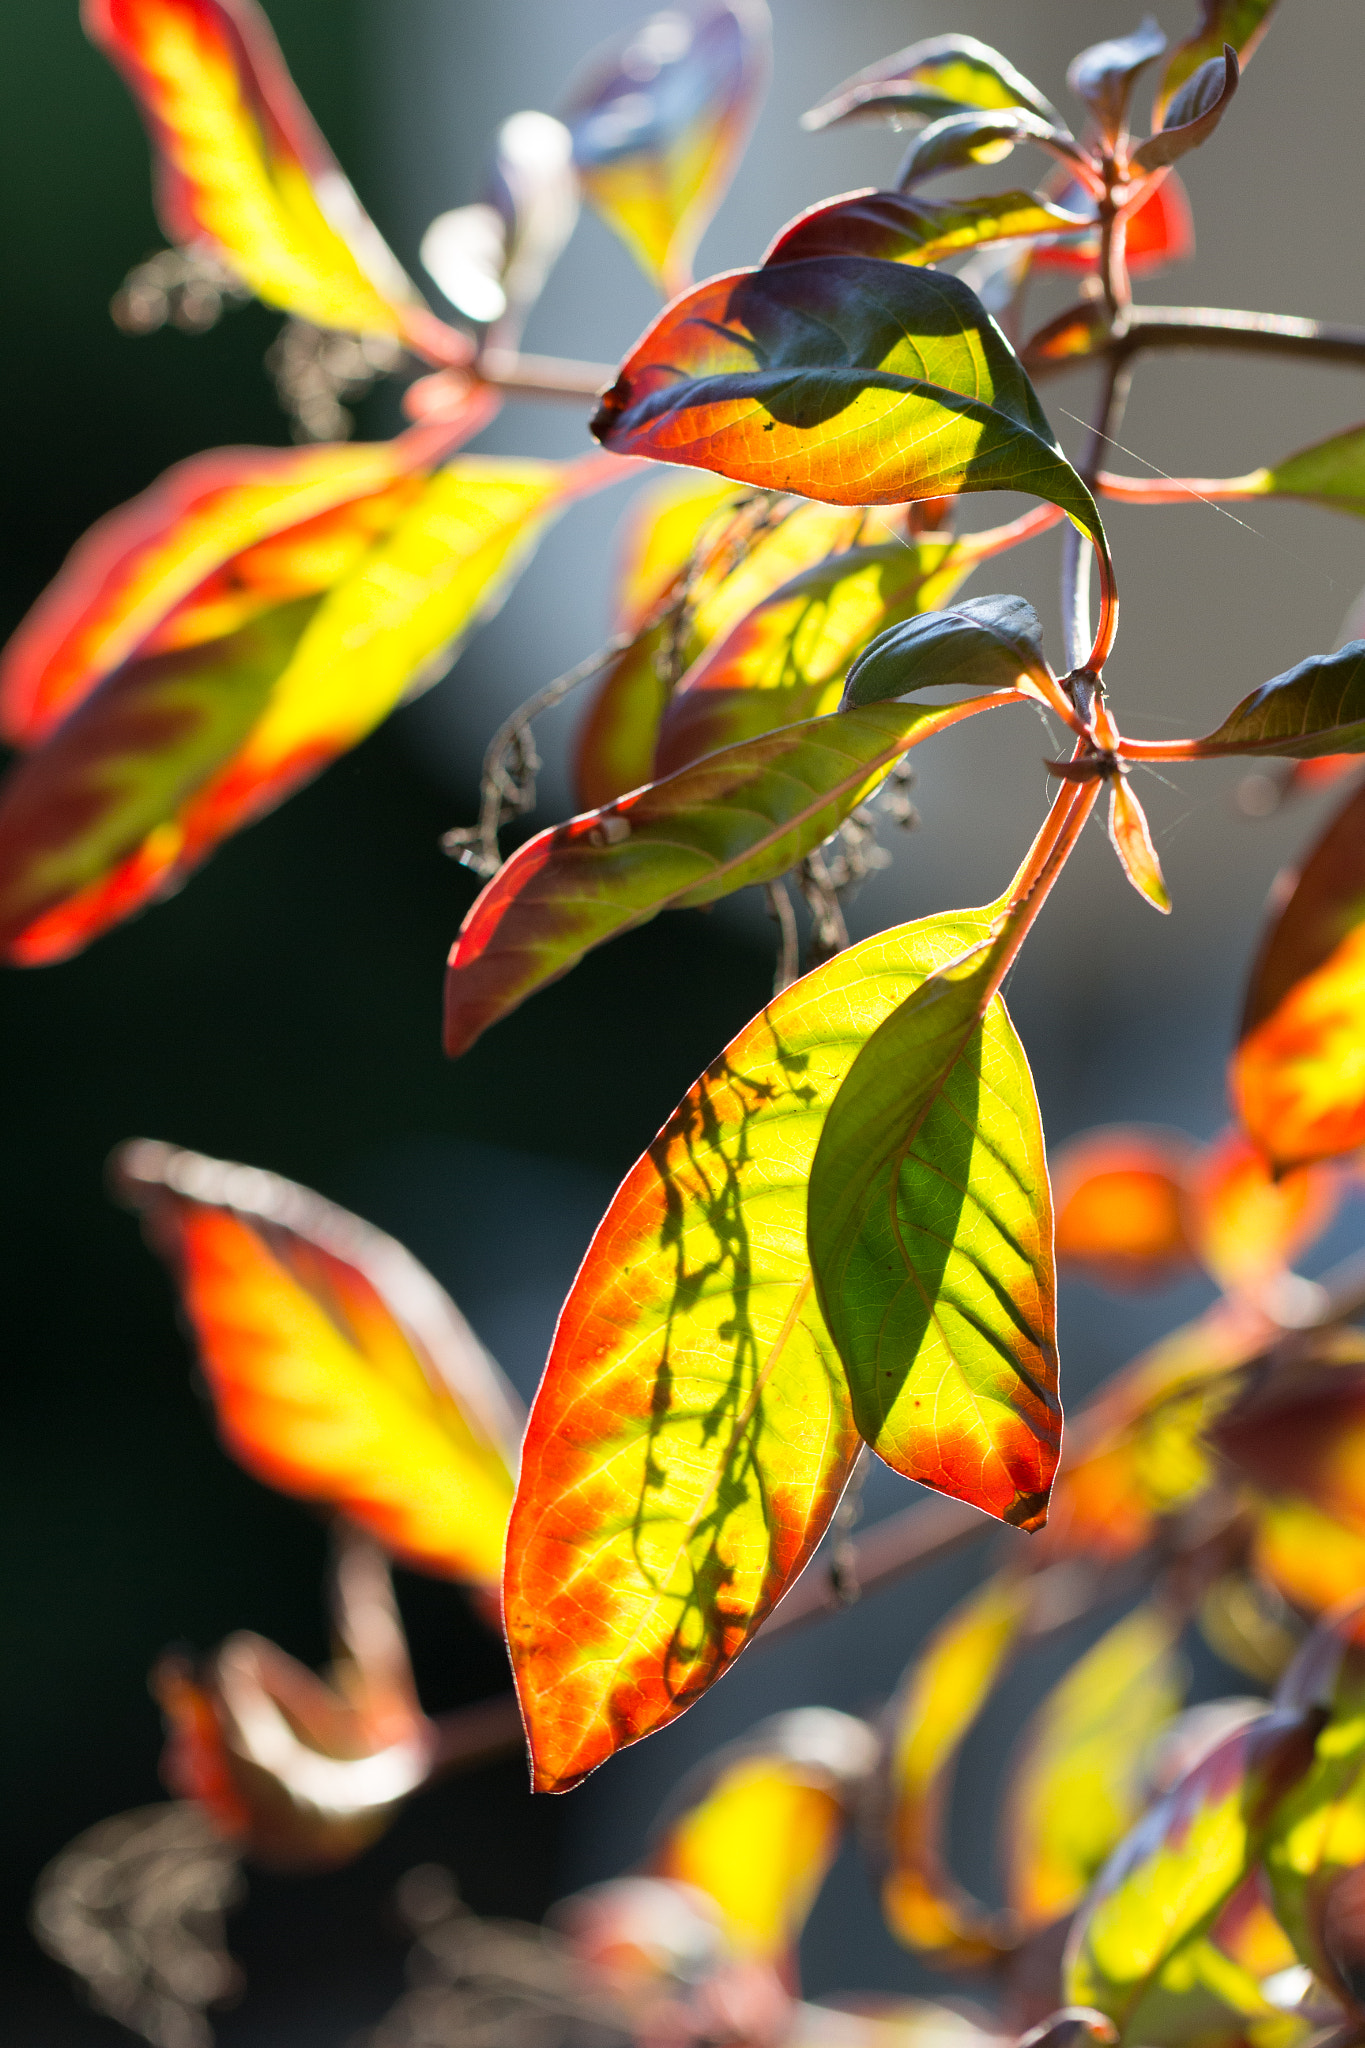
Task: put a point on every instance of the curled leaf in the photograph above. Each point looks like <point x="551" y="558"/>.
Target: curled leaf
<point x="943" y="74"/>
<point x="736" y="817"/>
<point x="1131" y="838"/>
<point x="660" y="118"/>
<point x="1104" y="75"/>
<point x="1239" y="22"/>
<point x="241" y="167"/>
<point x="692" y="1433"/>
<point x="994" y="643"/>
<point x="340" y="1372"/>
<point x="1120" y="1206"/>
<point x="1193" y="114"/>
<point x="896" y="228"/>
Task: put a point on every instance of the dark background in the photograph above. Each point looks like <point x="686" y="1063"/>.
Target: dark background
<point x="284" y="1009"/>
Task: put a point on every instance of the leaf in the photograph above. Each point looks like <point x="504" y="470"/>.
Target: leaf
<point x="339" y="1371"/>
<point x="787" y="658"/>
<point x="203" y="531"/>
<point x="959" y="141"/>
<point x="660" y="118"/>
<point x="995" y="643"/>
<point x="1304" y="1555"/>
<point x="935" y="1705"/>
<point x="1301" y="1435"/>
<point x="1159" y="230"/>
<point x="1298" y="1074"/>
<point x="1316" y="707"/>
<point x="847" y="380"/>
<point x="1239" y="22"/>
<point x="1104" y="75"/>
<point x="741" y="555"/>
<point x="737" y="817"/>
<point x="758" y="1825"/>
<point x="1079" y="1782"/>
<point x="692" y="1434"/>
<point x="1140" y="1934"/>
<point x="940" y="75"/>
<point x="1247" y="1224"/>
<point x="930" y="1227"/>
<point x="1193" y="114"/>
<point x="172" y="754"/>
<point x="241" y="167"/>
<point x="1119" y="1194"/>
<point x="1131" y="838"/>
<point x="304" y="1772"/>
<point x="893" y="227"/>
<point x="491" y="259"/>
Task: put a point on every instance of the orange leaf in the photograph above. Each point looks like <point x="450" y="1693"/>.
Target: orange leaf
<point x="1119" y="1196"/>
<point x="340" y="1372"/>
<point x="1247" y="1226"/>
<point x="1131" y="839"/>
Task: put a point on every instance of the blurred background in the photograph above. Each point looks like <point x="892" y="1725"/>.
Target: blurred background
<point x="284" y="1009"/>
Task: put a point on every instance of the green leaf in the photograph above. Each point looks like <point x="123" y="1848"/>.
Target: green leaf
<point x="1331" y="472"/>
<point x="1193" y="114"/>
<point x="1317" y="707"/>
<point x="1239" y="22"/>
<point x="930" y="1230"/>
<point x="993" y="642"/>
<point x="1079" y="1783"/>
<point x="897" y="228"/>
<point x="959" y="141"/>
<point x="741" y="815"/>
<point x="1104" y="75"/>
<point x="1162" y="1890"/>
<point x="941" y="75"/>
<point x="849" y="380"/>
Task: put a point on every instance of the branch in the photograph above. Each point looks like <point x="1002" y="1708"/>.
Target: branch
<point x="1078" y="336"/>
<point x="553" y="377"/>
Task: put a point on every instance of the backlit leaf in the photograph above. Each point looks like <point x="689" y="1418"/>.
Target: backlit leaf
<point x="161" y="762"/>
<point x="241" y="167"/>
<point x="1247" y="1225"/>
<point x="692" y="1434"/>
<point x="1301" y="1435"/>
<point x="1193" y="114"/>
<point x="1307" y="1556"/>
<point x="1104" y="75"/>
<point x="304" y="1772"/>
<point x="935" y="1706"/>
<point x="848" y="380"/>
<point x="994" y="643"/>
<point x="930" y="1230"/>
<point x="1131" y="838"/>
<point x="491" y="259"/>
<point x="660" y="118"/>
<point x="894" y="227"/>
<point x="1316" y="707"/>
<point x="1119" y="1195"/>
<point x="1079" y="1783"/>
<point x="1159" y="230"/>
<point x="931" y="78"/>
<point x="737" y="817"/>
<point x="787" y="658"/>
<point x="959" y="141"/>
<point x="1139" y="1939"/>
<point x="339" y="1371"/>
<point x="1239" y="22"/>
<point x="757" y="1827"/>
<point x="207" y="533"/>
<point x="1298" y="1072"/>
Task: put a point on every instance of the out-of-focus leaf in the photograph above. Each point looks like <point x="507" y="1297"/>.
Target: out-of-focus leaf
<point x="1159" y="230"/>
<point x="170" y="755"/>
<point x="787" y="658"/>
<point x="943" y="74"/>
<point x="848" y="380"/>
<point x="739" y="816"/>
<point x="304" y="1772"/>
<point x="491" y="259"/>
<point x="737" y="559"/>
<point x="1308" y="1557"/>
<point x="1104" y="75"/>
<point x="1239" y="22"/>
<point x="1298" y="1072"/>
<point x="938" y="1699"/>
<point x="1079" y="1785"/>
<point x="993" y="643"/>
<point x="1245" y="1224"/>
<point x="1140" y="1939"/>
<point x="1249" y="1626"/>
<point x="1193" y="114"/>
<point x="692" y="1433"/>
<point x="960" y="141"/>
<point x="241" y="167"/>
<point x="1300" y="1436"/>
<point x="660" y="118"/>
<point x="930" y="1231"/>
<point x="202" y="535"/>
<point x="1119" y="1195"/>
<point x="340" y="1372"/>
<point x="895" y="228"/>
<point x="757" y="1827"/>
<point x="1131" y="838"/>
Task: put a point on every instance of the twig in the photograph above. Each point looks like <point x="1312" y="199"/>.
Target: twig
<point x="788" y="946"/>
<point x="554" y="377"/>
<point x="1206" y="327"/>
